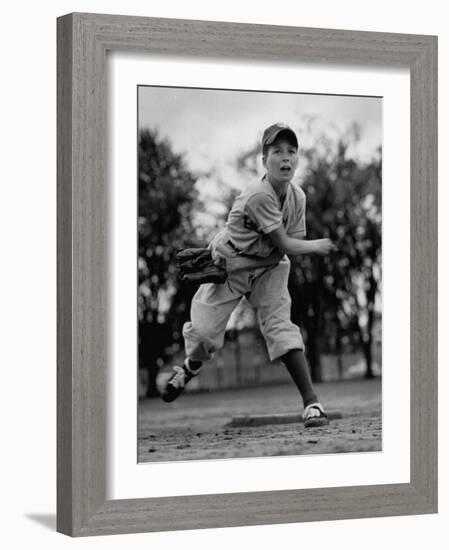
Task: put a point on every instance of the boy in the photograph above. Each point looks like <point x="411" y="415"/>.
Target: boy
<point x="266" y="222"/>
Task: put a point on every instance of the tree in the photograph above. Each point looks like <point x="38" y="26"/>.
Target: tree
<point x="166" y="197"/>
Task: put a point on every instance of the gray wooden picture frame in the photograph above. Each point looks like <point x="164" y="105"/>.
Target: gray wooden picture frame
<point x="83" y="40"/>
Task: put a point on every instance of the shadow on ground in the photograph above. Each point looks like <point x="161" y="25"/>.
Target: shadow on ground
<point x="46" y="520"/>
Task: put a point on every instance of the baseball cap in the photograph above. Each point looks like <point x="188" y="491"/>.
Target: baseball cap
<point x="271" y="133"/>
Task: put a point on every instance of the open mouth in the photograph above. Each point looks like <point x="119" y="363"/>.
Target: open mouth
<point x="285" y="169"/>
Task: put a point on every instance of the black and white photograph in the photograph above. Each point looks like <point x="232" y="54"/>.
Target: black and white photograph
<point x="259" y="274"/>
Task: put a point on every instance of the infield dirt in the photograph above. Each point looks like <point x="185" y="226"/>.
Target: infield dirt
<point x="194" y="427"/>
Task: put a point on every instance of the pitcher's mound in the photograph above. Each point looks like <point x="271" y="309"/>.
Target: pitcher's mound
<point x="263" y="419"/>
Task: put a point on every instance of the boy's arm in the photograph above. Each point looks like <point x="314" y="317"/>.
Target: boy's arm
<point x="297" y="247"/>
<point x="285" y="245"/>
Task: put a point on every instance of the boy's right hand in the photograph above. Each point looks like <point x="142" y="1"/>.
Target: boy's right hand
<point x="324" y="246"/>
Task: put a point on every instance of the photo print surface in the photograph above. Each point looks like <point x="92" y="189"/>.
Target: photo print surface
<point x="259" y="274"/>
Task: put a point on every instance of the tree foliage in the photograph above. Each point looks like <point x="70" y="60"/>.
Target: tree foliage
<point x="166" y="198"/>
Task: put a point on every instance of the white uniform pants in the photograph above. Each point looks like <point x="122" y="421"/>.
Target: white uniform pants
<point x="266" y="290"/>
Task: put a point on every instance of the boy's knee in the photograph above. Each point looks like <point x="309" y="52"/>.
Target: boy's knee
<point x="203" y="333"/>
<point x="280" y="337"/>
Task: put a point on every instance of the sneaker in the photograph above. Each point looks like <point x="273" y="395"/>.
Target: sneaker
<point x="314" y="416"/>
<point x="177" y="382"/>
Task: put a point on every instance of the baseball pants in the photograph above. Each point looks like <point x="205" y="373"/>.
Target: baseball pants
<point x="266" y="290"/>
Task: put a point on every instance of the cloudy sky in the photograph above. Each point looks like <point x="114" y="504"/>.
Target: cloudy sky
<point x="211" y="127"/>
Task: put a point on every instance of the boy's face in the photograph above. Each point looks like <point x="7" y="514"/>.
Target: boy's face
<point x="281" y="160"/>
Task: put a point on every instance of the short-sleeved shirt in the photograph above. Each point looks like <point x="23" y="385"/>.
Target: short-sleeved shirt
<point x="258" y="211"/>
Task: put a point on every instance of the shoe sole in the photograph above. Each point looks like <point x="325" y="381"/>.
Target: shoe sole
<point x="316" y="422"/>
<point x="169" y="397"/>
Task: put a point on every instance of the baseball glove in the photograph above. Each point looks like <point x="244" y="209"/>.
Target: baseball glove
<point x="196" y="265"/>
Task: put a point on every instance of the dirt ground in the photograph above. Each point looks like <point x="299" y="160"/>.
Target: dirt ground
<point x="195" y="427"/>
